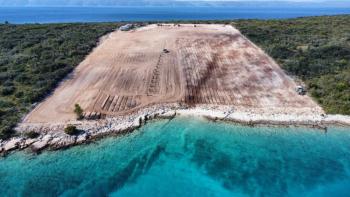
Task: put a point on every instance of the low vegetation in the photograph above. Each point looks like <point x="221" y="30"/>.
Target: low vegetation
<point x="78" y="111"/>
<point x="315" y="49"/>
<point x="32" y="134"/>
<point x="71" y="130"/>
<point x="34" y="58"/>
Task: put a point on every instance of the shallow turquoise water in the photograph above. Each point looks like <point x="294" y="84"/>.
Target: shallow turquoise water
<point x="186" y="157"/>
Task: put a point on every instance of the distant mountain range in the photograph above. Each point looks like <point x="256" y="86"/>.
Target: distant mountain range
<point x="235" y="3"/>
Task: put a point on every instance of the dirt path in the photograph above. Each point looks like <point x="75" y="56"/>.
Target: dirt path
<point x="207" y="64"/>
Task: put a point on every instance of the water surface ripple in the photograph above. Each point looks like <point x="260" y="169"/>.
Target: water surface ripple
<point x="185" y="157"/>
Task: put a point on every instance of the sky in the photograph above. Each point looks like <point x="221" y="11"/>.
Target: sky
<point x="153" y="2"/>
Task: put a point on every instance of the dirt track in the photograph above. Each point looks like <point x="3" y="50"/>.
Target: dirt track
<point x="207" y="64"/>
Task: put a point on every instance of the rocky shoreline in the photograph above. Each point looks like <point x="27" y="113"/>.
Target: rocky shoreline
<point x="52" y="136"/>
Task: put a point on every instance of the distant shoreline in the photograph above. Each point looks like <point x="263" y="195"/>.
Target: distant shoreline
<point x="47" y="15"/>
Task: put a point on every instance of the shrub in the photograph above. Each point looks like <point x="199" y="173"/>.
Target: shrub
<point x="78" y="111"/>
<point x="7" y="90"/>
<point x="32" y="134"/>
<point x="71" y="130"/>
<point x="6" y="132"/>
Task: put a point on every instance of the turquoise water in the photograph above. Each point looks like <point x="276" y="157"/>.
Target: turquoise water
<point x="186" y="157"/>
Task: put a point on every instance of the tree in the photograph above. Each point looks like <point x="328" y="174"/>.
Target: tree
<point x="32" y="134"/>
<point x="71" y="130"/>
<point x="78" y="111"/>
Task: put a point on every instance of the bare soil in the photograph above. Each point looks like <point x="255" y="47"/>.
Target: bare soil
<point x="206" y="64"/>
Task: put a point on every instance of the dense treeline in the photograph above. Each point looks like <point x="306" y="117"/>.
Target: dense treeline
<point x="315" y="49"/>
<point x="34" y="58"/>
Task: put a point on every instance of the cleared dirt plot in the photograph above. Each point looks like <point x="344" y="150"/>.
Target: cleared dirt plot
<point x="206" y="64"/>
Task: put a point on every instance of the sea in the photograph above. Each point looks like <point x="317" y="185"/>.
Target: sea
<point x="183" y="156"/>
<point x="189" y="157"/>
<point x="20" y="15"/>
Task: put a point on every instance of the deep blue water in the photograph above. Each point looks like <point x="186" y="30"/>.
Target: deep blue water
<point x="187" y="157"/>
<point x="58" y="15"/>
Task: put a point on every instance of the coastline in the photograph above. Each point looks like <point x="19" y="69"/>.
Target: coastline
<point x="53" y="137"/>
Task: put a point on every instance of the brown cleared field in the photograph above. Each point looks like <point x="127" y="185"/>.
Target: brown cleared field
<point x="206" y="64"/>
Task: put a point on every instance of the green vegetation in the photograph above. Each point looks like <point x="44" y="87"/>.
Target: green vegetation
<point x="32" y="134"/>
<point x="315" y="49"/>
<point x="71" y="130"/>
<point x="34" y="58"/>
<point x="78" y="111"/>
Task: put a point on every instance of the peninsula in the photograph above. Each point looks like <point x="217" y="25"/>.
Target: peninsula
<point x="162" y="70"/>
